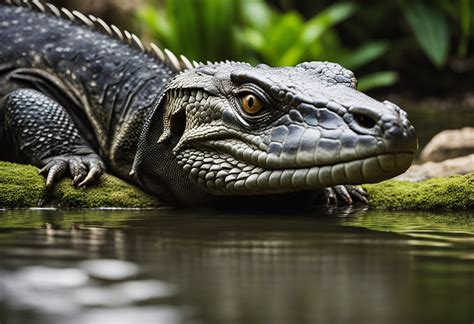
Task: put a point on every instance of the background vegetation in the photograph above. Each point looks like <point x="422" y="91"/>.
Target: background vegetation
<point x="382" y="41"/>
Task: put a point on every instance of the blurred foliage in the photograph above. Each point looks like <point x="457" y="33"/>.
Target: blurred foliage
<point x="367" y="37"/>
<point x="434" y="24"/>
<point x="201" y="32"/>
<point x="286" y="39"/>
<point x="430" y="28"/>
<point x="437" y="29"/>
<point x="252" y="31"/>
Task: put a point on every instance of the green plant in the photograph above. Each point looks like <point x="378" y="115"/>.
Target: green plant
<point x="439" y="27"/>
<point x="250" y="30"/>
<point x="430" y="30"/>
<point x="433" y="26"/>
<point x="287" y="39"/>
<point x="201" y="32"/>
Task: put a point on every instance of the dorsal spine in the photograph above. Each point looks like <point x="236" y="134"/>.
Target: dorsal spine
<point x="168" y="57"/>
<point x="175" y="63"/>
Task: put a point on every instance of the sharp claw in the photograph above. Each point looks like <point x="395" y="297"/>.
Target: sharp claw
<point x="77" y="170"/>
<point x="359" y="193"/>
<point x="363" y="198"/>
<point x="78" y="176"/>
<point x="76" y="179"/>
<point x="332" y="200"/>
<point x="54" y="173"/>
<point x="44" y="170"/>
<point x="50" y="179"/>
<point x="348" y="199"/>
<point x="343" y="193"/>
<point x="91" y="176"/>
<point x="49" y="185"/>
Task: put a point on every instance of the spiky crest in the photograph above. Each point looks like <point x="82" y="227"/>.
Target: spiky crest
<point x="166" y="56"/>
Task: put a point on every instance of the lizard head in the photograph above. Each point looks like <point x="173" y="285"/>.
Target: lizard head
<point x="233" y="129"/>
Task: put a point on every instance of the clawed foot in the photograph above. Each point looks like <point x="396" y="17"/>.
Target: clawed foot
<point x="346" y="194"/>
<point x="84" y="169"/>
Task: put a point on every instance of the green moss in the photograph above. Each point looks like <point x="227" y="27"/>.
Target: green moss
<point x="21" y="186"/>
<point x="456" y="192"/>
<point x="110" y="192"/>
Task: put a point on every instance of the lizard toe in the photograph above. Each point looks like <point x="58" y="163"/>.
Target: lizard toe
<point x="53" y="171"/>
<point x="358" y="194"/>
<point x="96" y="168"/>
<point x="343" y="195"/>
<point x="77" y="169"/>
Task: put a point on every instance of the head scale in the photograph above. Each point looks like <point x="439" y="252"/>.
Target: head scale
<point x="234" y="129"/>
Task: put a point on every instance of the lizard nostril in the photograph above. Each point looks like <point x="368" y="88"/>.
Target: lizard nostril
<point x="364" y="120"/>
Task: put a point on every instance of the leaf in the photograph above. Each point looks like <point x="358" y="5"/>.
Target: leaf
<point x="282" y="37"/>
<point x="292" y="56"/>
<point x="377" y="80"/>
<point x="252" y="38"/>
<point x="195" y="31"/>
<point x="311" y="32"/>
<point x="355" y="58"/>
<point x="430" y="28"/>
<point x="256" y="14"/>
<point x="329" y="17"/>
<point x="157" y="22"/>
<point x="216" y="19"/>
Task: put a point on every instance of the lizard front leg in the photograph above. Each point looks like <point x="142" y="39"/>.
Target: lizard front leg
<point x="44" y="135"/>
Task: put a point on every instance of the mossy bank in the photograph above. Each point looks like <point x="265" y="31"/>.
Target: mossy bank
<point x="22" y="187"/>
<point x="455" y="192"/>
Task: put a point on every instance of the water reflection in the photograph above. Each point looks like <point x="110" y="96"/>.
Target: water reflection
<point x="109" y="269"/>
<point x="435" y="234"/>
<point x="169" y="266"/>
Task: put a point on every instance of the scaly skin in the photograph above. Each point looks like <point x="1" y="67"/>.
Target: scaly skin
<point x="185" y="133"/>
<point x="315" y="131"/>
<point x="106" y="86"/>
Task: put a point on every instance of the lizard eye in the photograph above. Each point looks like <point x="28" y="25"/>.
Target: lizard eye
<point x="251" y="104"/>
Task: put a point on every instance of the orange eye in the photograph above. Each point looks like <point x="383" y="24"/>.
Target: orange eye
<point x="251" y="104"/>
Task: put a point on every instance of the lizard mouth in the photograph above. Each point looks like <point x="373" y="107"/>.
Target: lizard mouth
<point x="227" y="172"/>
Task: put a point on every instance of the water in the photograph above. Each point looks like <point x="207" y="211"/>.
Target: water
<point x="171" y="266"/>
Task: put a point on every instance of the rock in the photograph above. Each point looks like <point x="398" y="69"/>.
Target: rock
<point x="449" y="152"/>
<point x="460" y="165"/>
<point x="449" y="144"/>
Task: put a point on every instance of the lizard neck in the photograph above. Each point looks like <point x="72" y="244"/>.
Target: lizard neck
<point x="156" y="169"/>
